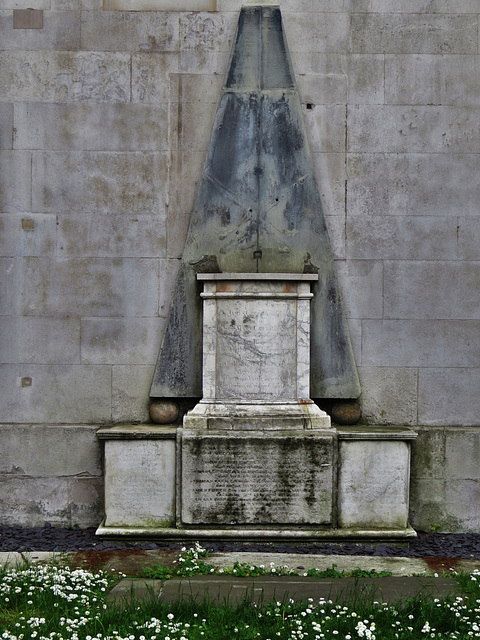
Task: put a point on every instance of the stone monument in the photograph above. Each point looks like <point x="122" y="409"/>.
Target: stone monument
<point x="256" y="329"/>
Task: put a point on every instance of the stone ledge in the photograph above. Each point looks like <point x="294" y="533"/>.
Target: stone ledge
<point x="245" y="533"/>
<point x="375" y="433"/>
<point x="137" y="432"/>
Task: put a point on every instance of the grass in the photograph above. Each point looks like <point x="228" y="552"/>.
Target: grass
<point x="46" y="602"/>
<point x="191" y="562"/>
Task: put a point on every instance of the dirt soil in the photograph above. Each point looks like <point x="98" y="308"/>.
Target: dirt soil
<point x="427" y="544"/>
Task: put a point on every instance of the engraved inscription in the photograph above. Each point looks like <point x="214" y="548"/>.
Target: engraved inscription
<point x="256" y="349"/>
<point x="250" y="479"/>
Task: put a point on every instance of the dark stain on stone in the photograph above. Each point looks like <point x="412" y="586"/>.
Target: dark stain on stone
<point x="129" y="561"/>
<point x="441" y="565"/>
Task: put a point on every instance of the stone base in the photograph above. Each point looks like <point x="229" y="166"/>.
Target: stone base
<point x="256" y="416"/>
<point x="350" y="483"/>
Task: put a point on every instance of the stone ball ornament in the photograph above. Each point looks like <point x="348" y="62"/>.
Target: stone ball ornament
<point x="162" y="412"/>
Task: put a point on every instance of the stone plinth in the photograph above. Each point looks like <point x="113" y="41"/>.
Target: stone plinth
<point x="232" y="479"/>
<point x="256" y="353"/>
<point x="374" y="477"/>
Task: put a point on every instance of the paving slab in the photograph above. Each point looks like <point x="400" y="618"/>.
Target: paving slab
<point x="133" y="561"/>
<point x="230" y="589"/>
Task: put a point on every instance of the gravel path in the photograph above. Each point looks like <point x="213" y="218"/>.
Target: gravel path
<point x="48" y="538"/>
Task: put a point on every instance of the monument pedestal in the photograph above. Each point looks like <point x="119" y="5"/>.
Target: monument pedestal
<point x="256" y="458"/>
<point x="256" y="451"/>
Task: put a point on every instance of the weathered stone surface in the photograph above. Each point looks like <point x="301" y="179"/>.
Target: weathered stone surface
<point x="327" y="32"/>
<point x="120" y="340"/>
<point x="419" y="343"/>
<point x="427" y="289"/>
<point x="322" y="89"/>
<point x="9" y="286"/>
<point x="468" y="238"/>
<point x="41" y="500"/>
<point x="77" y="4"/>
<point x="326" y="128"/>
<point x="401" y="237"/>
<point x="23" y="4"/>
<point x="292" y="5"/>
<point x="87" y="497"/>
<point x="461" y="495"/>
<point x="462" y="454"/>
<point x="432" y="79"/>
<point x="191" y="61"/>
<point x="15" y="187"/>
<point x="61" y="76"/>
<point x="186" y="169"/>
<point x="129" y="31"/>
<point x="444" y="472"/>
<point x="373" y="484"/>
<point x="362" y="284"/>
<point x="6" y="126"/>
<point x="60" y="32"/>
<point x="428" y="505"/>
<point x="414" y="184"/>
<point x="336" y="233"/>
<point x="163" y="412"/>
<point x="40" y="340"/>
<point x="355" y="327"/>
<point x="150" y="76"/>
<point x="104" y="127"/>
<point x="366" y="78"/>
<point x="411" y="129"/>
<point x="110" y="236"/>
<point x="331" y="176"/>
<point x="413" y="33"/>
<point x="415" y="6"/>
<point x="201" y="32"/>
<point x="88" y="287"/>
<point x="27" y="234"/>
<point x="130" y="397"/>
<point x="99" y="181"/>
<point x="168" y="276"/>
<point x="449" y="396"/>
<point x="44" y="451"/>
<point x="195" y="87"/>
<point x="191" y="125"/>
<point x="390" y="395"/>
<point x="68" y="394"/>
<point x="428" y="453"/>
<point x="238" y="479"/>
<point x="159" y="5"/>
<point x="64" y="502"/>
<point x="140" y="483"/>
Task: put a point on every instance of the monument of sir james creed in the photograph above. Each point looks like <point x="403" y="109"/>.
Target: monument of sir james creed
<point x="256" y="328"/>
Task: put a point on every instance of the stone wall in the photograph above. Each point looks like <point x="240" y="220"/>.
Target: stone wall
<point x="104" y="121"/>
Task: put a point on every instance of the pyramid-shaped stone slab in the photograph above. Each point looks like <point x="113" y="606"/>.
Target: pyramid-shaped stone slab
<point x="258" y="210"/>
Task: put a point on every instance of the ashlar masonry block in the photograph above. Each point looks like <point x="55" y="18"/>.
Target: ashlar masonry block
<point x="413" y="184"/>
<point x="405" y="33"/>
<point x="250" y="479"/>
<point x="374" y="474"/>
<point x="140" y="477"/>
